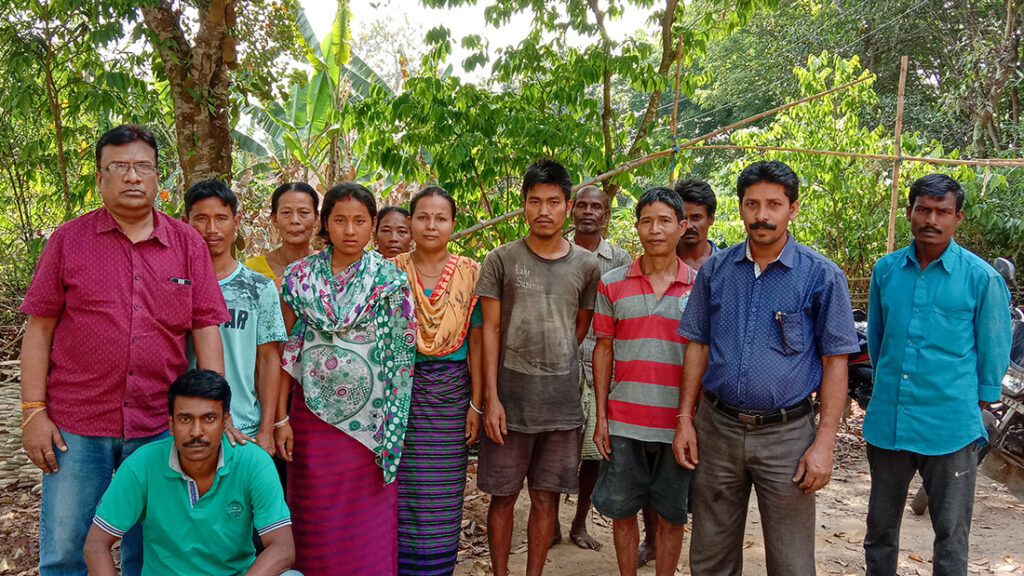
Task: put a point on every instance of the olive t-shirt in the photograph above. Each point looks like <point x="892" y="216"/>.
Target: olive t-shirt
<point x="538" y="370"/>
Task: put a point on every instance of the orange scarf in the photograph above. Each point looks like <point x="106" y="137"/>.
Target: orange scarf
<point x="443" y="316"/>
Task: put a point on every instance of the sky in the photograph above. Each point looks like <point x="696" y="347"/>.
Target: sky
<point x="460" y="21"/>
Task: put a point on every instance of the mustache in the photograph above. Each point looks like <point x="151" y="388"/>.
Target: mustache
<point x="763" y="226"/>
<point x="197" y="442"/>
<point x="691" y="233"/>
<point x="929" y="229"/>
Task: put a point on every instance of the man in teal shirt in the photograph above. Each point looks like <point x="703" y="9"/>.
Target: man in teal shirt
<point x="198" y="497"/>
<point x="939" y="337"/>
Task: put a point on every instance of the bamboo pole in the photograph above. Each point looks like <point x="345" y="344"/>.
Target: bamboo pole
<point x="890" y="242"/>
<point x="992" y="162"/>
<point x="655" y="155"/>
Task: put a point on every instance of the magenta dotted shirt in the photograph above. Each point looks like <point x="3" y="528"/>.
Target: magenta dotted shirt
<point x="123" y="312"/>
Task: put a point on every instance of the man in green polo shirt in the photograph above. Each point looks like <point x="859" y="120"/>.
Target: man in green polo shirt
<point x="198" y="497"/>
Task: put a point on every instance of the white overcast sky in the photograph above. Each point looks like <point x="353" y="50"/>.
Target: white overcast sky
<point x="461" y="21"/>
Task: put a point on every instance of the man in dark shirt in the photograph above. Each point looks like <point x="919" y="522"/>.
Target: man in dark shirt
<point x="537" y="296"/>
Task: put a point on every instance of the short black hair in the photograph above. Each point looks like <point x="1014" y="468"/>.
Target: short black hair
<point x="432" y="191"/>
<point x="340" y="192"/>
<point x="124" y="134"/>
<point x="200" y="384"/>
<point x="772" y="171"/>
<point x="937" y="185"/>
<point x="547" y="171"/>
<point x="661" y="194"/>
<point x="210" y="188"/>
<point x="697" y="192"/>
<point x="388" y="210"/>
<point x="275" y="197"/>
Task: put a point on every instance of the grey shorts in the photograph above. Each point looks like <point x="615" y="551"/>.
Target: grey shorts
<point x="639" y="472"/>
<point x="548" y="460"/>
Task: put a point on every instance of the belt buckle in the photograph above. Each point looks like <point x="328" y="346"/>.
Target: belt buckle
<point x="746" y="418"/>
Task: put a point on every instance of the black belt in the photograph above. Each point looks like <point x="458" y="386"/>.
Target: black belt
<point x="776" y="416"/>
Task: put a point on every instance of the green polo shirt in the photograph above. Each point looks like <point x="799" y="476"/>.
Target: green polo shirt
<point x="185" y="533"/>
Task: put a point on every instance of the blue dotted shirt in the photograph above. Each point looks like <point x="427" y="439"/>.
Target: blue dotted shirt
<point x="766" y="335"/>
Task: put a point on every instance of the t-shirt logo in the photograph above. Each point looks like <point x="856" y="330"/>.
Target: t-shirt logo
<point x="234" y="509"/>
<point x="683" y="299"/>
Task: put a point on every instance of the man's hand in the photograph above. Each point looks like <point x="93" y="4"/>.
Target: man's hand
<point x="39" y="439"/>
<point x="815" y="468"/>
<point x="494" y="421"/>
<point x="284" y="438"/>
<point x="602" y="439"/>
<point x="236" y="436"/>
<point x="472" y="426"/>
<point x="684" y="443"/>
<point x="265" y="438"/>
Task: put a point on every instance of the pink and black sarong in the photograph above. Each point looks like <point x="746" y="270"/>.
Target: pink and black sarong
<point x="344" y="517"/>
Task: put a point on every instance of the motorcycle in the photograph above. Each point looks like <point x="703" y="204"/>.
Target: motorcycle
<point x="1007" y="442"/>
<point x="859" y="371"/>
<point x="1003" y="420"/>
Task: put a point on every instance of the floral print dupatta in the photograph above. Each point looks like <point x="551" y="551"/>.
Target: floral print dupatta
<point x="353" y="347"/>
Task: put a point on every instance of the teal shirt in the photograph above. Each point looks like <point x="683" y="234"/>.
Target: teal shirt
<point x="255" y="309"/>
<point x="939" y="339"/>
<point x="476" y="320"/>
<point x="186" y="533"/>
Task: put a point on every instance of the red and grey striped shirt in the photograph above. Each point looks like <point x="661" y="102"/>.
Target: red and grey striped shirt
<point x="648" y="351"/>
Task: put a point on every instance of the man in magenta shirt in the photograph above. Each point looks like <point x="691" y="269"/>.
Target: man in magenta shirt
<point x="114" y="295"/>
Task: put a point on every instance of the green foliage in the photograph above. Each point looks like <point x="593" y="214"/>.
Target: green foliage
<point x="66" y="80"/>
<point x="844" y="202"/>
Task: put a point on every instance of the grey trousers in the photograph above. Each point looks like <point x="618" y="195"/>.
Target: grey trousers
<point x="733" y="457"/>
<point x="949" y="481"/>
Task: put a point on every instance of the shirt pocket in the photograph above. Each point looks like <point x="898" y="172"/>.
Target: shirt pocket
<point x="172" y="305"/>
<point x="952" y="331"/>
<point x="788" y="333"/>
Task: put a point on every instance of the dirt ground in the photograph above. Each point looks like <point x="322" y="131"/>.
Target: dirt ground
<point x="997" y="531"/>
<point x="997" y="536"/>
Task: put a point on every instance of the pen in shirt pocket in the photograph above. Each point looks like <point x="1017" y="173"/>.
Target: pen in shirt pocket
<point x="182" y="281"/>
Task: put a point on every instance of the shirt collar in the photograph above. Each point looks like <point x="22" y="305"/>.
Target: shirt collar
<point x="945" y="260"/>
<point x="604" y="248"/>
<point x="174" y="463"/>
<point x="684" y="274"/>
<point x="105" y="223"/>
<point x="785" y="257"/>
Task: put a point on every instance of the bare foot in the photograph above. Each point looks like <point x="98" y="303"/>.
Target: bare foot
<point x="583" y="539"/>
<point x="644" y="554"/>
<point x="556" y="537"/>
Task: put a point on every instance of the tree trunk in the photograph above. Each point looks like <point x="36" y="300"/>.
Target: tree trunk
<point x="199" y="81"/>
<point x="668" y="56"/>
<point x="986" y="130"/>
<point x="54" y="101"/>
<point x="607" y="115"/>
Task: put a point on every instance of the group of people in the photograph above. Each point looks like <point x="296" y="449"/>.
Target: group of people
<point x="672" y="382"/>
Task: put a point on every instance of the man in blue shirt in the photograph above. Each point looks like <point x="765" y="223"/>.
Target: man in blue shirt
<point x="769" y="324"/>
<point x="939" y="337"/>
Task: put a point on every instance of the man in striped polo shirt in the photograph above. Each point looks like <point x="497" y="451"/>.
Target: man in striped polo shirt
<point x="635" y="318"/>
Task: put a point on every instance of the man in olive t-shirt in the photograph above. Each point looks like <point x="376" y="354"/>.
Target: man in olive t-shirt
<point x="537" y="296"/>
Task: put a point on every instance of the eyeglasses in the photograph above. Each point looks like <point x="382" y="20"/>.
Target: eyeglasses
<point x="122" y="168"/>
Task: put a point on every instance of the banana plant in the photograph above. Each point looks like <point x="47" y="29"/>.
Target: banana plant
<point x="307" y="132"/>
